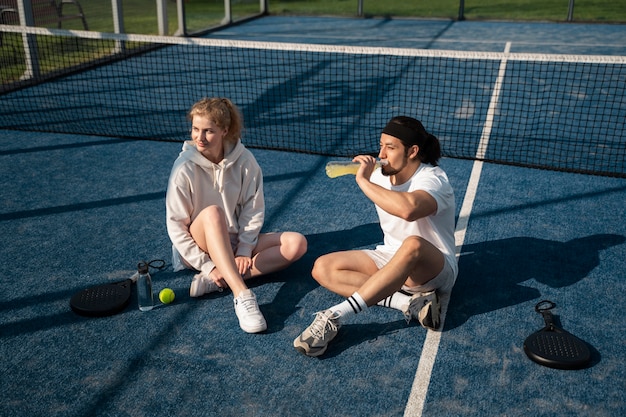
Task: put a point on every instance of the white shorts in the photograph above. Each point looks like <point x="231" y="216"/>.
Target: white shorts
<point x="443" y="282"/>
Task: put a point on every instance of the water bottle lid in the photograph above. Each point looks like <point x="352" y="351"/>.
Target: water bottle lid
<point x="142" y="268"/>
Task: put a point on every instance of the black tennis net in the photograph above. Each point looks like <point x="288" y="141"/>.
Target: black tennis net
<point x="559" y="112"/>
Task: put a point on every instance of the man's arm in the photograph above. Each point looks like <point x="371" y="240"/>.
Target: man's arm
<point x="409" y="206"/>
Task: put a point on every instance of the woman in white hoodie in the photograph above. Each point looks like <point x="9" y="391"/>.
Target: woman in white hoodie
<point x="215" y="210"/>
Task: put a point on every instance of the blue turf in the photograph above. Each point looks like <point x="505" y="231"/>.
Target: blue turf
<point x="91" y="211"/>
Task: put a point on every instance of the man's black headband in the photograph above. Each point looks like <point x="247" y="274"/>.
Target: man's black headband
<point x="407" y="135"/>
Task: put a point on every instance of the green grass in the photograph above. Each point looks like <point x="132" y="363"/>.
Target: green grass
<point x="140" y="15"/>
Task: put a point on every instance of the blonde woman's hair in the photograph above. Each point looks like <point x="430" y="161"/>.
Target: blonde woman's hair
<point x="222" y="112"/>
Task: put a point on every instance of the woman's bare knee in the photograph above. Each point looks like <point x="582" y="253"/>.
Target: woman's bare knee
<point x="211" y="220"/>
<point x="211" y="214"/>
<point x="293" y="245"/>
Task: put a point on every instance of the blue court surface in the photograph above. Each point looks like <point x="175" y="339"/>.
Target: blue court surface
<point x="83" y="210"/>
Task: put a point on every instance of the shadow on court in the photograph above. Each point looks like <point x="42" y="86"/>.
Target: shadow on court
<point x="492" y="274"/>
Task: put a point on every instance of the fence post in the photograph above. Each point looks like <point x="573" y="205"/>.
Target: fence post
<point x="118" y="16"/>
<point x="359" y="8"/>
<point x="570" y="11"/>
<point x="31" y="55"/>
<point x="118" y="24"/>
<point x="162" y="17"/>
<point x="228" y="17"/>
<point x="180" y="13"/>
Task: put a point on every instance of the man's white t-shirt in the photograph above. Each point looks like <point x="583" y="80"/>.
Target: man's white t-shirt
<point x="438" y="228"/>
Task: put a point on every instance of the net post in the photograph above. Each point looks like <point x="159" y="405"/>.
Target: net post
<point x="263" y="6"/>
<point x="25" y="12"/>
<point x="359" y="8"/>
<point x="461" y="10"/>
<point x="162" y="17"/>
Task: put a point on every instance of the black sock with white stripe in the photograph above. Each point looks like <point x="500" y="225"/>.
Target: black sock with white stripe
<point x="353" y="305"/>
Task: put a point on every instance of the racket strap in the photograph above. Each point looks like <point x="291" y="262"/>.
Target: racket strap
<point x="155" y="264"/>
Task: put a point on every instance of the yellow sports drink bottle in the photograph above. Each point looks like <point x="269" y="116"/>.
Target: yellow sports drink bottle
<point x="336" y="169"/>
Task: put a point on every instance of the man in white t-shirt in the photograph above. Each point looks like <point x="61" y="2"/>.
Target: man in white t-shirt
<point x="416" y="262"/>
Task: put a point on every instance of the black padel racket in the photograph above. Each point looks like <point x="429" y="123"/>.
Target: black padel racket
<point x="554" y="347"/>
<point x="106" y="299"/>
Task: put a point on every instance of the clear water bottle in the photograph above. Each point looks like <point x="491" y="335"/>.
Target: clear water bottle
<point x="145" y="297"/>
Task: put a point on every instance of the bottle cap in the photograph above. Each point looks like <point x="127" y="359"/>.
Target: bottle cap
<point x="142" y="268"/>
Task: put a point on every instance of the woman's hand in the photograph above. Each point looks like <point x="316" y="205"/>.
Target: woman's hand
<point x="218" y="278"/>
<point x="244" y="264"/>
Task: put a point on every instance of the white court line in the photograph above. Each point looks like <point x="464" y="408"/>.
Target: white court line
<point x="417" y="397"/>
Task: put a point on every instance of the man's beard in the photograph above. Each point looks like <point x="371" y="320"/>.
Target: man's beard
<point x="387" y="171"/>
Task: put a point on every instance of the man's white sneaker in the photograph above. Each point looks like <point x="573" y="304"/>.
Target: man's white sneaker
<point x="314" y="340"/>
<point x="251" y="319"/>
<point x="202" y="284"/>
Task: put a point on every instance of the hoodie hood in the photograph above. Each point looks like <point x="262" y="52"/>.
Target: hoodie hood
<point x="232" y="152"/>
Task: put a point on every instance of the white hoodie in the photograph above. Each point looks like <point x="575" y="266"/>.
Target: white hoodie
<point x="235" y="184"/>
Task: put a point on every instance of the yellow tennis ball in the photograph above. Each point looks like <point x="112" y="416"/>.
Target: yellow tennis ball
<point x="166" y="295"/>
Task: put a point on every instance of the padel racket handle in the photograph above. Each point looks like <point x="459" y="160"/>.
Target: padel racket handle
<point x="544" y="307"/>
